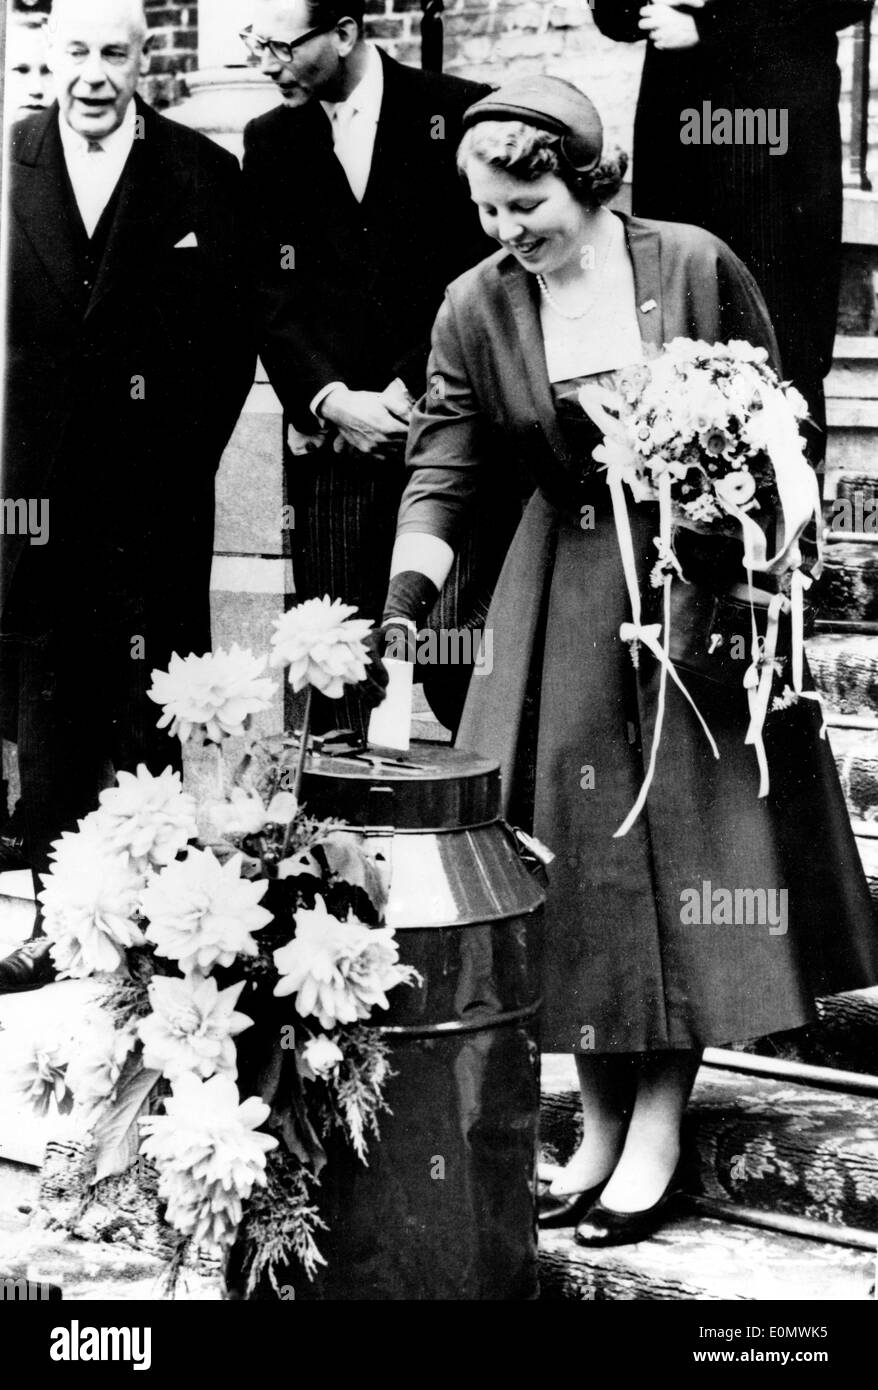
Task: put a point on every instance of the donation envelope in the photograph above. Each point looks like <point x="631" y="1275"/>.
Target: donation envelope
<point x="391" y="723"/>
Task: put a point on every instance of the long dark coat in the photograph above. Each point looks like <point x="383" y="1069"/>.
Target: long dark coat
<point x="123" y="382"/>
<point x="780" y="213"/>
<point x="623" y="971"/>
<point x="358" y="307"/>
<point x="129" y="356"/>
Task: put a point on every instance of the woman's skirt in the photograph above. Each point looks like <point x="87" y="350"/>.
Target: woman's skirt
<point x="720" y="916"/>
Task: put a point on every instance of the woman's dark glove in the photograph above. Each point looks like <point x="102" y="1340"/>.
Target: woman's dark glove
<point x="410" y="597"/>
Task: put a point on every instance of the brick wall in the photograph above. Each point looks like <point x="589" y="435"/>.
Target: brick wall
<point x="491" y="40"/>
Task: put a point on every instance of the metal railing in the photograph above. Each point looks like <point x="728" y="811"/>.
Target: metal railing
<point x="861" y="91"/>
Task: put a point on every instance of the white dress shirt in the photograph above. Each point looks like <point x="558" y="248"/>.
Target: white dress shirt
<point x="354" y="124"/>
<point x="94" y="174"/>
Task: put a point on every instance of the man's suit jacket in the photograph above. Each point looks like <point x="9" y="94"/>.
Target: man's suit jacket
<point x="780" y="213"/>
<point x="122" y="393"/>
<point x="368" y="277"/>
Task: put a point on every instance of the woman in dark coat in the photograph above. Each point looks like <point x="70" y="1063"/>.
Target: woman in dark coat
<point x="779" y="210"/>
<point x="632" y="985"/>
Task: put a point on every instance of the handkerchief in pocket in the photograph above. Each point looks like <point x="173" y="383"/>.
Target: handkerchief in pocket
<point x="190" y="239"/>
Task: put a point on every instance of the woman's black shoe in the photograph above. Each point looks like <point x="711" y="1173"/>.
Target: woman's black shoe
<point x="603" y="1226"/>
<point x="565" y="1211"/>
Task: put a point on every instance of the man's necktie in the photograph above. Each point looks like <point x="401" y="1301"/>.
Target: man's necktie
<point x="348" y="150"/>
<point x="95" y="147"/>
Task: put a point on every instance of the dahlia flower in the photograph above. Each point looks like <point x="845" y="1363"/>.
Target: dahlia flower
<point x="150" y="817"/>
<point x="338" y="971"/>
<point x="201" y="913"/>
<point x="242" y="814"/>
<point x="321" y="645"/>
<point x="216" y="693"/>
<point x="320" y="1056"/>
<point x="89" y="900"/>
<point x="209" y="1156"/>
<point x="97" y="1059"/>
<point x="191" y="1027"/>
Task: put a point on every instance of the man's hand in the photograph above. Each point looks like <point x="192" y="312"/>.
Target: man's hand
<point x="666" y="27"/>
<point x="364" y="422"/>
<point x="398" y="401"/>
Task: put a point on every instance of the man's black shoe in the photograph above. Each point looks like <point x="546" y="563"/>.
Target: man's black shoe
<point x="29" y="967"/>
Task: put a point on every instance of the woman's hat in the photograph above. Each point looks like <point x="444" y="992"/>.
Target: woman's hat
<point x="551" y="104"/>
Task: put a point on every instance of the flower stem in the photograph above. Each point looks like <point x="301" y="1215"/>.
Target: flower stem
<point x="300" y="764"/>
<point x="220" y="781"/>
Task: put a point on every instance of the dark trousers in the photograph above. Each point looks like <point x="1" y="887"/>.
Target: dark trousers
<point x="83" y="716"/>
<point x="345" y="511"/>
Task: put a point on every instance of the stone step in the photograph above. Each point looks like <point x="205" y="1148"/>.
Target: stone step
<point x="845" y="671"/>
<point x="856" y="757"/>
<point x="845" y="1035"/>
<point x="770" y="1145"/>
<point x="854" y="373"/>
<point x="699" y="1258"/>
<point x="848" y="587"/>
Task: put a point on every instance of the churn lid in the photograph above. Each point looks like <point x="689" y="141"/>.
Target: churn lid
<point x="432" y="787"/>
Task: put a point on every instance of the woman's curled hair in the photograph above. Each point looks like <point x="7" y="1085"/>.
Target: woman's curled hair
<point x="526" y="152"/>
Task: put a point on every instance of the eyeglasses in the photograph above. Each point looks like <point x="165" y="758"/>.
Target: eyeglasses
<point x="281" y="49"/>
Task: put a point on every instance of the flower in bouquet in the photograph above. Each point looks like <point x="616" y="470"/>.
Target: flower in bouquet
<point x="192" y="1027"/>
<point x="209" y="1154"/>
<point x="202" y="913"/>
<point x="96" y="1061"/>
<point x="90" y="901"/>
<point x="150" y="817"/>
<point x="322" y="645"/>
<point x="338" y="971"/>
<point x="216" y="693"/>
<point x="241" y="814"/>
<point x="319" y="1057"/>
<point x="38" y="1074"/>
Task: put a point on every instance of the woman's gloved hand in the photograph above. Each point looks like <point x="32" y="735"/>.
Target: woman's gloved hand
<point x="410" y="597"/>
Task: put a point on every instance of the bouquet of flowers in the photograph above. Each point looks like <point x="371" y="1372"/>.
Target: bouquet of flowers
<point x="711" y="434"/>
<point x="239" y="973"/>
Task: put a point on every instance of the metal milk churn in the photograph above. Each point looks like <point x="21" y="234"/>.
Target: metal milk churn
<point x="444" y="1209"/>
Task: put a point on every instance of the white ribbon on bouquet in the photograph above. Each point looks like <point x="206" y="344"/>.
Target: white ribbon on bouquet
<point x="799" y="504"/>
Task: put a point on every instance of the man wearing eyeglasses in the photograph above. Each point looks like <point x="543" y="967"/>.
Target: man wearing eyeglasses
<point x="359" y="222"/>
<point x="130" y="355"/>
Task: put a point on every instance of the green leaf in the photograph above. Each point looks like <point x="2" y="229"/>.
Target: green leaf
<point x="115" y="1133"/>
<point x="346" y="858"/>
<point x="301" y="863"/>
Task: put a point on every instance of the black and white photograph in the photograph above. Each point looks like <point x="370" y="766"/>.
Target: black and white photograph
<point x="439" y="667"/>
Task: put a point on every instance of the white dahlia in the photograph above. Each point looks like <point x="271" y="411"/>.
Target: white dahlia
<point x="321" y="646"/>
<point x="97" y="1059"/>
<point x="150" y="817"/>
<point x="216" y="693"/>
<point x="209" y="1156"/>
<point x="320" y="1057"/>
<point x="201" y="913"/>
<point x="192" y="1027"/>
<point x="338" y="971"/>
<point x="89" y="901"/>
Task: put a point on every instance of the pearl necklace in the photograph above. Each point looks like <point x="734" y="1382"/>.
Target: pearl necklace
<point x="581" y="313"/>
<point x="553" y="303"/>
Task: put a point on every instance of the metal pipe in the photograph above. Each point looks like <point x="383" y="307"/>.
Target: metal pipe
<point x="851" y="721"/>
<point x="833" y="537"/>
<point x="803" y="1073"/>
<point x="432" y="35"/>
<point x="803" y="1226"/>
<point x="847" y="626"/>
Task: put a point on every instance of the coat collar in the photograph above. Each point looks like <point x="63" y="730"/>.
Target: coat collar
<point x="150" y="211"/>
<point x="644" y="247"/>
